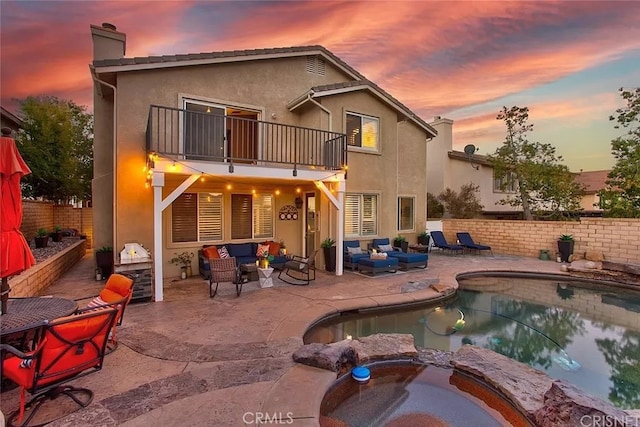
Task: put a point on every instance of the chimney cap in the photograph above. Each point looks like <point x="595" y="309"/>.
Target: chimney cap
<point x="108" y="26"/>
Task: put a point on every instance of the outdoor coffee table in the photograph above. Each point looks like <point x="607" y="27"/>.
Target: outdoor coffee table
<point x="250" y="270"/>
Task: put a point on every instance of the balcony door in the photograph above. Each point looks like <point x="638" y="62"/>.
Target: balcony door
<point x="205" y="130"/>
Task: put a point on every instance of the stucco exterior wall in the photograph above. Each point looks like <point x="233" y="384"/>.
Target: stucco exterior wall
<point x="617" y="238"/>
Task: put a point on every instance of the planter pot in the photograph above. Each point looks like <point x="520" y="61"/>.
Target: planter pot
<point x="183" y="272"/>
<point x="330" y="258"/>
<point x="41" y="242"/>
<point x="565" y="247"/>
<point x="104" y="261"/>
<point x="402" y="244"/>
<point x="56" y="237"/>
<point x="424" y="240"/>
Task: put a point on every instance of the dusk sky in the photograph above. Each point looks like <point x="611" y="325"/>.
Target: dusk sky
<point x="459" y="60"/>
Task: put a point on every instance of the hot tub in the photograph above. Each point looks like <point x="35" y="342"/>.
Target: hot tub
<point x="411" y="394"/>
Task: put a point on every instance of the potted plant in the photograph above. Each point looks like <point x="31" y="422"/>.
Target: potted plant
<point x="184" y="260"/>
<point x="56" y="236"/>
<point x="423" y="238"/>
<point x="42" y="238"/>
<point x="104" y="261"/>
<point x="329" y="248"/>
<point x="283" y="248"/>
<point x="401" y="242"/>
<point x="565" y="247"/>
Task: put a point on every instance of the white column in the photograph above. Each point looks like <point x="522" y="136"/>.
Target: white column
<point x="340" y="230"/>
<point x="157" y="182"/>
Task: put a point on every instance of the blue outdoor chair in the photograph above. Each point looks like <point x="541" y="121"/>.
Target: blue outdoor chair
<point x="466" y="241"/>
<point x="439" y="241"/>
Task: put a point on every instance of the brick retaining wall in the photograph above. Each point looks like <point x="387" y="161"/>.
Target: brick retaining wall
<point x="37" y="279"/>
<point x="37" y="214"/>
<point x="617" y="238"/>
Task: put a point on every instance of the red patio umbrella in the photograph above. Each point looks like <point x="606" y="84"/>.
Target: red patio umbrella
<point x="15" y="255"/>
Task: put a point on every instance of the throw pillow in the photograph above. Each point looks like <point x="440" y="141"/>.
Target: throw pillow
<point x="274" y="248"/>
<point x="223" y="252"/>
<point x="386" y="248"/>
<point x="211" y="252"/>
<point x="96" y="302"/>
<point x="263" y="251"/>
<point x="353" y="250"/>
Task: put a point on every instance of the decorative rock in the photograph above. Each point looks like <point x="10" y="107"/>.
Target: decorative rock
<point x="590" y="265"/>
<point x="336" y="357"/>
<point x="385" y="347"/>
<point x="594" y="256"/>
<point x="564" y="267"/>
<point x="566" y="405"/>
<point x="522" y="384"/>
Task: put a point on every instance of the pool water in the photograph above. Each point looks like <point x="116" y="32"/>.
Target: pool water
<point x="585" y="334"/>
<point x="404" y="394"/>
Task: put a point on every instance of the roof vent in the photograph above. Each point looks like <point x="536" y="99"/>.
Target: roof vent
<point x="436" y="117"/>
<point x="316" y="65"/>
<point x="108" y="26"/>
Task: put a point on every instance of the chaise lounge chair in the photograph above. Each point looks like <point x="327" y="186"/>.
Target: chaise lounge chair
<point x="439" y="241"/>
<point x="466" y="241"/>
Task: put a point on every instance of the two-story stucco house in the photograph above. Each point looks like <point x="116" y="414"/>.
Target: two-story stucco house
<point x="285" y="144"/>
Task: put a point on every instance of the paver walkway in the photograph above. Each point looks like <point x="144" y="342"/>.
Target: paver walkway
<point x="192" y="360"/>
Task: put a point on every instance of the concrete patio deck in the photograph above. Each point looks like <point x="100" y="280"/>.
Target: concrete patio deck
<point x="192" y="360"/>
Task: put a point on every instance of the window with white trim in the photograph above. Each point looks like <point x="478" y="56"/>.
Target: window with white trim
<point x="362" y="131"/>
<point x="196" y="217"/>
<point x="406" y="213"/>
<point x="360" y="215"/>
<point x="251" y="216"/>
<point x="505" y="184"/>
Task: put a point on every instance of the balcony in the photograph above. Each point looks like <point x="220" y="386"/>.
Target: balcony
<point x="200" y="136"/>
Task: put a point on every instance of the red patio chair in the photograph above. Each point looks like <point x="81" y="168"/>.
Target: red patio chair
<point x="69" y="347"/>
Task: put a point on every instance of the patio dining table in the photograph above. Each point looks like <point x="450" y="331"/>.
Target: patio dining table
<point x="24" y="314"/>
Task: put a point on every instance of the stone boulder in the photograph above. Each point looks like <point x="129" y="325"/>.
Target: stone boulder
<point x="385" y="347"/>
<point x="336" y="357"/>
<point x="520" y="383"/>
<point x="594" y="256"/>
<point x="341" y="356"/>
<point x="566" y="405"/>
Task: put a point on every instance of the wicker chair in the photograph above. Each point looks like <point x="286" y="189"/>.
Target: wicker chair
<point x="224" y="270"/>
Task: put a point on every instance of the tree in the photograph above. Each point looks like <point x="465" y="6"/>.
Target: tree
<point x="56" y="141"/>
<point x="533" y="171"/>
<point x="435" y="209"/>
<point x="464" y="204"/>
<point x="621" y="197"/>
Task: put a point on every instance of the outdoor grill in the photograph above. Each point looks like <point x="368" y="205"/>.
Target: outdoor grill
<point x="135" y="261"/>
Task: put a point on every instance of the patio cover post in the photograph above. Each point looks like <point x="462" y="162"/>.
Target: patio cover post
<point x="339" y="205"/>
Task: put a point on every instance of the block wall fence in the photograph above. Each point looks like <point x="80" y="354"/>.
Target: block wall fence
<point x="37" y="214"/>
<point x="617" y="238"/>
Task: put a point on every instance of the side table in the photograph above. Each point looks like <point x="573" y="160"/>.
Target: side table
<point x="264" y="276"/>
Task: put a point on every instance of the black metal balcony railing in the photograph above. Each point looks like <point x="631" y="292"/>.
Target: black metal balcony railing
<point x="192" y="135"/>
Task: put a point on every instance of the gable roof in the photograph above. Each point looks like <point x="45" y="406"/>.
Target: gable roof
<point x="10" y="117"/>
<point x="359" y="83"/>
<point x="593" y="181"/>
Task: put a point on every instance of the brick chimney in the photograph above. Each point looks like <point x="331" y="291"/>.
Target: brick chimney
<point x="107" y="42"/>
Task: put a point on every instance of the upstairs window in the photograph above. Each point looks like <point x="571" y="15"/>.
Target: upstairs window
<point x="362" y="132"/>
<point x="505" y="184"/>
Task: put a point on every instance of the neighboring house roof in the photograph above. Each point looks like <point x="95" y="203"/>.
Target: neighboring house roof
<point x="593" y="181"/>
<point x="477" y="159"/>
<point x="10" y="117"/>
<point x="363" y="84"/>
<point x="360" y="82"/>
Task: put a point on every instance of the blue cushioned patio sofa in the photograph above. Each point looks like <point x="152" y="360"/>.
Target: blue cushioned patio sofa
<point x="245" y="253"/>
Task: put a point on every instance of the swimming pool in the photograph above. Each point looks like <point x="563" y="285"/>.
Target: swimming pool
<point x="578" y="331"/>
